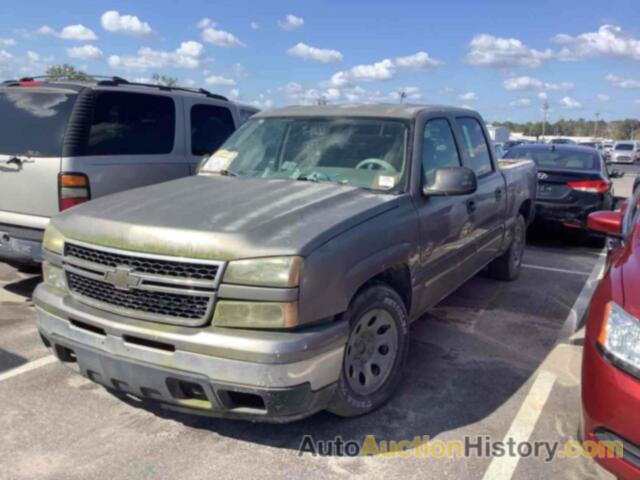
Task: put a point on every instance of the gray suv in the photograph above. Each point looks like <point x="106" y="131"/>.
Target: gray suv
<point x="63" y="143"/>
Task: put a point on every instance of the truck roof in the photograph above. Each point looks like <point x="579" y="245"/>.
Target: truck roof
<point x="379" y="110"/>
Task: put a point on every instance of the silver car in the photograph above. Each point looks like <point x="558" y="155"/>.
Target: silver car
<point x="625" y="152"/>
<point x="63" y="143"/>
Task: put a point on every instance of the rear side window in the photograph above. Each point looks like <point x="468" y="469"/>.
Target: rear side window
<point x="475" y="145"/>
<point x="132" y="124"/>
<point x="438" y="148"/>
<point x="210" y="127"/>
<point x="34" y="121"/>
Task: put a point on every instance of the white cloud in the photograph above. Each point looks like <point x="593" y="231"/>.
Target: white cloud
<point x="254" y="25"/>
<point x="307" y="52"/>
<point x="7" y="42"/>
<point x="205" y="22"/>
<point x="530" y="83"/>
<point x="220" y="38"/>
<point x="72" y="32"/>
<point x="543" y="95"/>
<point x="608" y="41"/>
<point x="410" y="93"/>
<point x="85" y="52"/>
<point x="521" y="102"/>
<point x="489" y="51"/>
<point x="569" y="102"/>
<point x="383" y="70"/>
<point x="17" y="66"/>
<point x="234" y="94"/>
<point x="467" y="97"/>
<point x="219" y="80"/>
<point x="113" y="22"/>
<point x="263" y="102"/>
<point x="622" y="82"/>
<point x="188" y="55"/>
<point x="603" y="98"/>
<point x="291" y="22"/>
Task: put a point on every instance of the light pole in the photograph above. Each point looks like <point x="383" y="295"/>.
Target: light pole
<point x="545" y="109"/>
<point x="595" y="126"/>
<point x="403" y="95"/>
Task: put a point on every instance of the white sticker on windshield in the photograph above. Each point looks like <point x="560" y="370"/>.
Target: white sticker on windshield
<point x="385" y="181"/>
<point x="218" y="161"/>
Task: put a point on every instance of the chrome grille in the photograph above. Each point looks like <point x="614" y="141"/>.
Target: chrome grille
<point x="154" y="266"/>
<point x="150" y="287"/>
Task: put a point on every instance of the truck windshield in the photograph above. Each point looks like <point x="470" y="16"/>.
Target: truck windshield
<point x="366" y="153"/>
<point x="556" y="158"/>
<point x="34" y="122"/>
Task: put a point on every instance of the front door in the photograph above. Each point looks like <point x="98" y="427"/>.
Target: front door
<point x="447" y="249"/>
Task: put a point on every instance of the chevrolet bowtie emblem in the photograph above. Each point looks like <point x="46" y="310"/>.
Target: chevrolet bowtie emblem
<point x="122" y="278"/>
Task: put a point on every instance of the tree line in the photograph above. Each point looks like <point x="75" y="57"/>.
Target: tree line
<point x="615" y="129"/>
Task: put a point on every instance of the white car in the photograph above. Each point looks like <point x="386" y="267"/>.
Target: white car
<point x="625" y="152"/>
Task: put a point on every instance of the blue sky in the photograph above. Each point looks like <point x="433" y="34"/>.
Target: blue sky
<point x="503" y="58"/>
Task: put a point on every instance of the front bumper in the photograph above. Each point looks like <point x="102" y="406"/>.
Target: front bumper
<point x="18" y="250"/>
<point x="610" y="403"/>
<point x="264" y="376"/>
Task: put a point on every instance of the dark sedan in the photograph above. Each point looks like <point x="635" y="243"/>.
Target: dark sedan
<point x="573" y="181"/>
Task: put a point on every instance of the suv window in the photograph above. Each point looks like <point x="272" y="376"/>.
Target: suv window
<point x="438" y="148"/>
<point x="210" y="127"/>
<point x="476" y="145"/>
<point x="132" y="124"/>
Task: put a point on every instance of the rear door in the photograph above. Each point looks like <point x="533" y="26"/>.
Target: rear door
<point x="34" y="120"/>
<point x="135" y="139"/>
<point x="488" y="206"/>
<point x="208" y="126"/>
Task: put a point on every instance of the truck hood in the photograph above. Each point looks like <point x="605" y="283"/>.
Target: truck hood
<point x="223" y="218"/>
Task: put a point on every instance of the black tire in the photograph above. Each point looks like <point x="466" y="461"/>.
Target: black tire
<point x="378" y="297"/>
<point x="508" y="265"/>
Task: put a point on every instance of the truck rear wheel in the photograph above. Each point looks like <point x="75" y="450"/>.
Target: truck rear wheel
<point x="508" y="265"/>
<point x="375" y="353"/>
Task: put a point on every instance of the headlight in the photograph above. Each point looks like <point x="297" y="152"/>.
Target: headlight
<point x="620" y="338"/>
<point x="53" y="276"/>
<point x="265" y="272"/>
<point x="53" y="239"/>
<point x="239" y="314"/>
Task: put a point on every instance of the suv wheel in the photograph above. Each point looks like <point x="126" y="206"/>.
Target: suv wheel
<point x="508" y="265"/>
<point x="375" y="352"/>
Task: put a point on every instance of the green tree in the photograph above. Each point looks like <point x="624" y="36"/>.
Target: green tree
<point x="164" y="80"/>
<point x="67" y="72"/>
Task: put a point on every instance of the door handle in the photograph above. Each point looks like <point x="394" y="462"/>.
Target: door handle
<point x="498" y="194"/>
<point x="471" y="206"/>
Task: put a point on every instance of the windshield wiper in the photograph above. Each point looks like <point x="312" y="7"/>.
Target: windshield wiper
<point x="228" y="173"/>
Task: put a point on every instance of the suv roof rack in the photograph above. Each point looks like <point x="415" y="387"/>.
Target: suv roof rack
<point x="114" y="81"/>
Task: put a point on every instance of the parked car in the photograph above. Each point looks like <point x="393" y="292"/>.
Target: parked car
<point x="562" y="141"/>
<point x="63" y="143"/>
<point x="606" y="150"/>
<point x="573" y="181"/>
<point x="282" y="279"/>
<point x="625" y="152"/>
<point x="611" y="356"/>
<point x="590" y="144"/>
<point x="499" y="149"/>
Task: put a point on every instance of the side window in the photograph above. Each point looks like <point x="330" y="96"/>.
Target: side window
<point x="438" y="148"/>
<point x="132" y="124"/>
<point x="210" y="127"/>
<point x="475" y="145"/>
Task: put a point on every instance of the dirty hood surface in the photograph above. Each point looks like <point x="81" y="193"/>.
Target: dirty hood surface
<point x="223" y="218"/>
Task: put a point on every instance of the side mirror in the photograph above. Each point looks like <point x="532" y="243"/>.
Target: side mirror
<point x="616" y="174"/>
<point x="607" y="222"/>
<point x="451" y="181"/>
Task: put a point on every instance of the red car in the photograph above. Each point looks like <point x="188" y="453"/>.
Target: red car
<point x="611" y="358"/>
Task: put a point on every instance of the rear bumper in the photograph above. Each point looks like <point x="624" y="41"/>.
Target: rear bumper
<point x="573" y="214"/>
<point x="610" y="402"/>
<point x="20" y="245"/>
<point x="262" y="376"/>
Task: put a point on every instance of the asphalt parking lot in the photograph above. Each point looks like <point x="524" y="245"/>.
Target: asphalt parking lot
<point x="494" y="359"/>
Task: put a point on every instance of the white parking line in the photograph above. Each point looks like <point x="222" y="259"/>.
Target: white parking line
<point x="557" y="270"/>
<point x="502" y="468"/>
<point x="27" y="367"/>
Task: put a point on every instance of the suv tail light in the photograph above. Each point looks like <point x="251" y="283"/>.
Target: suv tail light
<point x="591" y="186"/>
<point x="73" y="189"/>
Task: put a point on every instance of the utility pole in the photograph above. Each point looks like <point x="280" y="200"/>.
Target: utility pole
<point x="403" y="95"/>
<point x="545" y="110"/>
<point x="595" y="126"/>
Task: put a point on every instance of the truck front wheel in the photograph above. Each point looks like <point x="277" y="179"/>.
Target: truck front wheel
<point x="375" y="353"/>
<point x="508" y="265"/>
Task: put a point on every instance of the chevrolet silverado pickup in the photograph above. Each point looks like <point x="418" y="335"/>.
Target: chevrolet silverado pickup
<point x="282" y="279"/>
